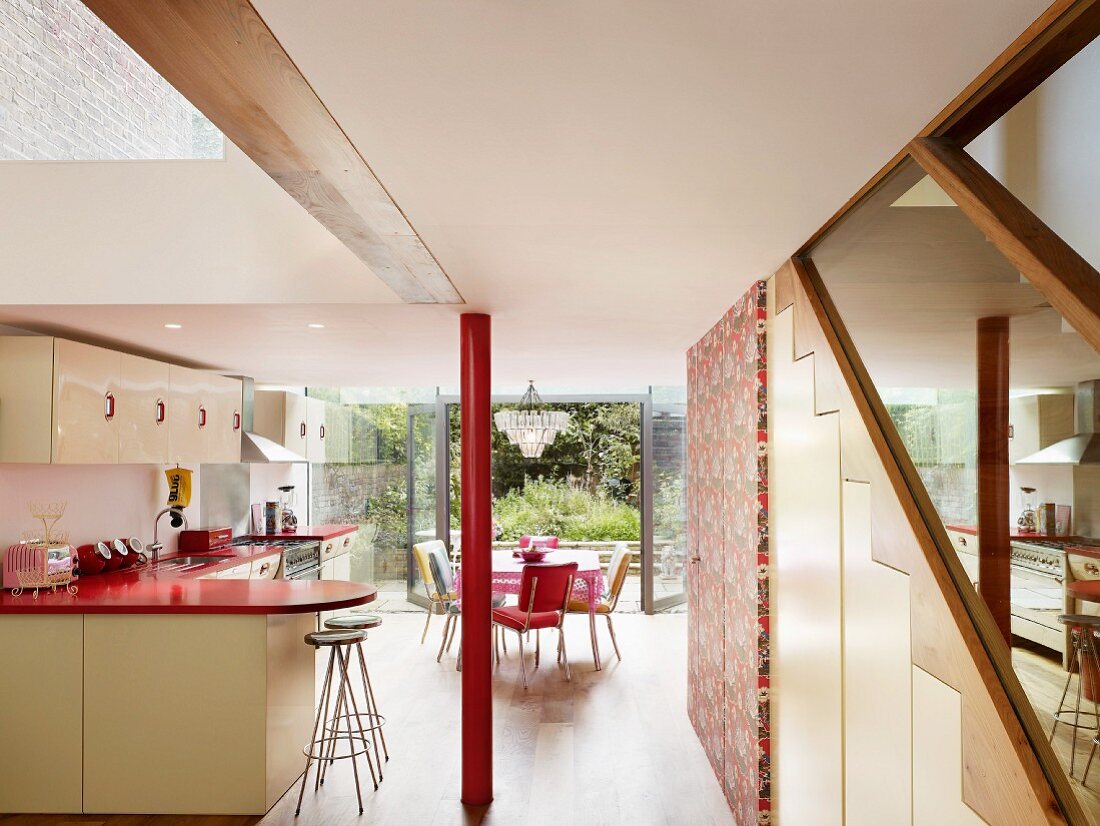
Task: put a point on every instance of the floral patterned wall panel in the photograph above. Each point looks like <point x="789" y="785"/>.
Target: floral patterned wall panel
<point x="728" y="523"/>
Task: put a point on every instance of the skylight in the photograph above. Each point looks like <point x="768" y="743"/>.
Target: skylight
<point x="72" y="90"/>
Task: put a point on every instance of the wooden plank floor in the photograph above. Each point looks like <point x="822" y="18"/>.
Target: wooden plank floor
<point x="611" y="747"/>
<point x="1043" y="679"/>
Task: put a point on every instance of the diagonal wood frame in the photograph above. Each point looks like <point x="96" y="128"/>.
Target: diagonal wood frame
<point x="1054" y="268"/>
<point x="221" y="55"/>
<point x="972" y="617"/>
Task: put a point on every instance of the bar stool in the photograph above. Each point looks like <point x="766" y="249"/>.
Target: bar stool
<point x="1085" y="656"/>
<point x="357" y="621"/>
<point x="323" y="748"/>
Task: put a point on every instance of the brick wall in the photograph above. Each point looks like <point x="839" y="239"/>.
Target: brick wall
<point x="340" y="493"/>
<point x="70" y="89"/>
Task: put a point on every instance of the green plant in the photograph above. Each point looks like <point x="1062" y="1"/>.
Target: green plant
<point x="569" y="512"/>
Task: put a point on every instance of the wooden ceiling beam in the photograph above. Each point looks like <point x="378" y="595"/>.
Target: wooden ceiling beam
<point x="221" y="55"/>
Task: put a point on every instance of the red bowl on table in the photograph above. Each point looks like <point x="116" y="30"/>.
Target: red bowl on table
<point x="533" y="554"/>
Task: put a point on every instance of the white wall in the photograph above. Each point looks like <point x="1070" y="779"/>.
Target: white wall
<point x="156" y="232"/>
<point x="104" y="501"/>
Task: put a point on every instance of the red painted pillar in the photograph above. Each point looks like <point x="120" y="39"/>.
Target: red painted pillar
<point x="477" y="537"/>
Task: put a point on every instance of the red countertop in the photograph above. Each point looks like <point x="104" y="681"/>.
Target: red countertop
<point x="319" y="532"/>
<point x="1014" y="535"/>
<point x="143" y="591"/>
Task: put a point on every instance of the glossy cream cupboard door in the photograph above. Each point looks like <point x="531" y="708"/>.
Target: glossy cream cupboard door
<point x="85" y="406"/>
<point x="223" y="436"/>
<point x="296" y="423"/>
<point x="143" y="411"/>
<point x="26" y="398"/>
<point x="186" y="438"/>
<point x="317" y="437"/>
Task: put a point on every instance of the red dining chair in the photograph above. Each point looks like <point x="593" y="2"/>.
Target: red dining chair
<point x="527" y="541"/>
<point x="544" y="595"/>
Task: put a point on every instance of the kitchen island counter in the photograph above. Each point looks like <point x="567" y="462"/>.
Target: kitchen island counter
<point x="165" y="693"/>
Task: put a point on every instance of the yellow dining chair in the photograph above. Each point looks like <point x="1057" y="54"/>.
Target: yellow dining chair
<point x="616" y="577"/>
<point x="421" y="552"/>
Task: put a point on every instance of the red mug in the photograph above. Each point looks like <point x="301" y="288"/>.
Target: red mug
<point x="118" y="553"/>
<point x="137" y="550"/>
<point x="122" y="547"/>
<point x="90" y="560"/>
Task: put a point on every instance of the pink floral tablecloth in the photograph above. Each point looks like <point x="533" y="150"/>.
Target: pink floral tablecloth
<point x="508" y="573"/>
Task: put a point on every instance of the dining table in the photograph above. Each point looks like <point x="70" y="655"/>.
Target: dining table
<point x="588" y="585"/>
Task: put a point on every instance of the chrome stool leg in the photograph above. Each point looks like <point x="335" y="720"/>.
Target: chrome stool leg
<point x="321" y="749"/>
<point x="1085" y="658"/>
<point x="372" y="709"/>
<point x="316" y="724"/>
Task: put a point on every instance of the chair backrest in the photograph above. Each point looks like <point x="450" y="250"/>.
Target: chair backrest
<point x="441" y="570"/>
<point x="617" y="570"/>
<point x="552" y="589"/>
<point x="526" y="541"/>
<point x="420" y="553"/>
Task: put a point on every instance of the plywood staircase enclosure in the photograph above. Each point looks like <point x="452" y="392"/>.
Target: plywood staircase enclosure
<point x="888" y="707"/>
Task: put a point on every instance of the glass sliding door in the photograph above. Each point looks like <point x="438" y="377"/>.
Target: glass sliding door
<point x="667" y="491"/>
<point x="428" y="510"/>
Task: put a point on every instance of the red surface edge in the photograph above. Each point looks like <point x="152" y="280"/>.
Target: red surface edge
<point x="321" y="532"/>
<point x="477" y="537"/>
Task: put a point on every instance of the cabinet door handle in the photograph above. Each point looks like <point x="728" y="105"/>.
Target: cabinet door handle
<point x="347" y="541"/>
<point x="264" y="567"/>
<point x="109" y="406"/>
<point x="160" y="411"/>
<point x="322" y="431"/>
<point x="202" y="416"/>
<point x="302" y="430"/>
<point x="236" y="420"/>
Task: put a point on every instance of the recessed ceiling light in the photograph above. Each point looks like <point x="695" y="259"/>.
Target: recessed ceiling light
<point x="316" y="326"/>
<point x="173" y="326"/>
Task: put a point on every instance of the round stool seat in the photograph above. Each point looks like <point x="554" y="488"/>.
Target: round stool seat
<point x="336" y="637"/>
<point x="357" y="621"/>
<point x="1079" y="619"/>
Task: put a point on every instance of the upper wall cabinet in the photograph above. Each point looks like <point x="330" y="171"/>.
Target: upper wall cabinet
<point x="337" y="433"/>
<point x="1037" y="422"/>
<point x="296" y="422"/>
<point x="143" y="410"/>
<point x="71" y="403"/>
<point x="87" y="391"/>
<point x="205" y="414"/>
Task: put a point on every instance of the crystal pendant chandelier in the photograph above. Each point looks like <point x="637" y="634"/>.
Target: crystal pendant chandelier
<point x="531" y="427"/>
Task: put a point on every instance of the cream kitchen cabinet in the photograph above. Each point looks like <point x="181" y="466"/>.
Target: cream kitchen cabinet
<point x="187" y="389"/>
<point x="70" y="403"/>
<point x="294" y="421"/>
<point x="59" y="401"/>
<point x="1037" y="422"/>
<point x="204" y="414"/>
<point x="318" y="433"/>
<point x="143" y="411"/>
<point x="337" y="433"/>
<point x="223" y="423"/>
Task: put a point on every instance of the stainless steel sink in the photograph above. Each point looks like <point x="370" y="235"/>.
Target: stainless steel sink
<point x="186" y="561"/>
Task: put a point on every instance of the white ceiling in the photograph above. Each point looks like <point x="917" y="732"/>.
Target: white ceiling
<point x="604" y="178"/>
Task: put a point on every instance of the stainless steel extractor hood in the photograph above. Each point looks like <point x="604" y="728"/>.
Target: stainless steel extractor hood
<point x="254" y="447"/>
<point x="1084" y="447"/>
